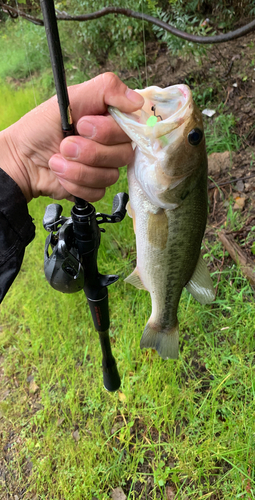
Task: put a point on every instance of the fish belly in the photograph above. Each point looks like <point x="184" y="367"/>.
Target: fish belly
<point x="168" y="246"/>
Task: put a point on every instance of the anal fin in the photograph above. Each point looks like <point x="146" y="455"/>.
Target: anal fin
<point x="200" y="284"/>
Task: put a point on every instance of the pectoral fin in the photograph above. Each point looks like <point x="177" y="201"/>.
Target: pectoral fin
<point x="129" y="209"/>
<point x="201" y="285"/>
<point x="135" y="280"/>
<point x="131" y="214"/>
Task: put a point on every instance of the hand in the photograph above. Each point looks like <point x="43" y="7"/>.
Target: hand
<point x="35" y="155"/>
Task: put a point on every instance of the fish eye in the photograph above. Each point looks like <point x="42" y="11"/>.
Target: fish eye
<point x="195" y="136"/>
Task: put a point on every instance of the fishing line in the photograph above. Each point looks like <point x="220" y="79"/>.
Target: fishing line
<point x="26" y="53"/>
<point x="144" y="50"/>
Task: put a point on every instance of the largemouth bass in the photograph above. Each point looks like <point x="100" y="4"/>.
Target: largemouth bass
<point x="168" y="203"/>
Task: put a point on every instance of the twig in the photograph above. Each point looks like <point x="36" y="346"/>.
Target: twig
<point x="63" y="16"/>
<point x="214" y="201"/>
<point x="17" y="12"/>
<point x="229" y="69"/>
<point x="232" y="181"/>
<point x="234" y="250"/>
<point x="220" y="270"/>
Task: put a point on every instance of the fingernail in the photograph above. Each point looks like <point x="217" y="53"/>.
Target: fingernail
<point x="134" y="97"/>
<point x="57" y="164"/>
<point x="86" y="129"/>
<point x="70" y="149"/>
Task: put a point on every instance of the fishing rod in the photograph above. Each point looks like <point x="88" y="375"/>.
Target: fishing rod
<point x="74" y="240"/>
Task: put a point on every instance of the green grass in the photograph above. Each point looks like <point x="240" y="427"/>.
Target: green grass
<point x="220" y="133"/>
<point x="16" y="102"/>
<point x="25" y="74"/>
<point x="31" y="51"/>
<point x="188" y="423"/>
<point x="26" y="77"/>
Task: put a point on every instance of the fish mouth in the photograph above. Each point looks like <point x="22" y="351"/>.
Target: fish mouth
<point x="168" y="105"/>
<point x="158" y="130"/>
<point x="164" y="111"/>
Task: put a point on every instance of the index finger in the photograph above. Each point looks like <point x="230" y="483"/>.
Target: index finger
<point x="94" y="97"/>
<point x="103" y="129"/>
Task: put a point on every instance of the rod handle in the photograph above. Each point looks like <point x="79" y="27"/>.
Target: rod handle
<point x="100" y="314"/>
<point x="111" y="377"/>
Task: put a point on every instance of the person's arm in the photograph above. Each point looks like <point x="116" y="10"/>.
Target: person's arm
<point x="43" y="164"/>
<point x="36" y="161"/>
<point x="16" y="230"/>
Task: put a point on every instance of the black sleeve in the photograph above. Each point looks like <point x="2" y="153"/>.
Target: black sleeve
<point x="16" y="231"/>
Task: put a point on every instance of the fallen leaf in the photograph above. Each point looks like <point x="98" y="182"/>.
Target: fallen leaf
<point x="33" y="387"/>
<point x="16" y="382"/>
<point x="170" y="493"/>
<point x="118" y="494"/>
<point x="38" y="406"/>
<point x="239" y="203"/>
<point x="76" y="435"/>
<point x="117" y="426"/>
<point x="240" y="186"/>
<point x="60" y="421"/>
<point x="5" y="395"/>
<point x="208" y="112"/>
<point x="205" y="22"/>
<point x="122" y="396"/>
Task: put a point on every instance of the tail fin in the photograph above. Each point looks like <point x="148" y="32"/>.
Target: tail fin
<point x="165" y="342"/>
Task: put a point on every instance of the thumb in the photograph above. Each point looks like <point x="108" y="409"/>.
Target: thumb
<point x="94" y="97"/>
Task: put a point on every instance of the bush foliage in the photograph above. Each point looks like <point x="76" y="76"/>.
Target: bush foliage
<point x="94" y="42"/>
